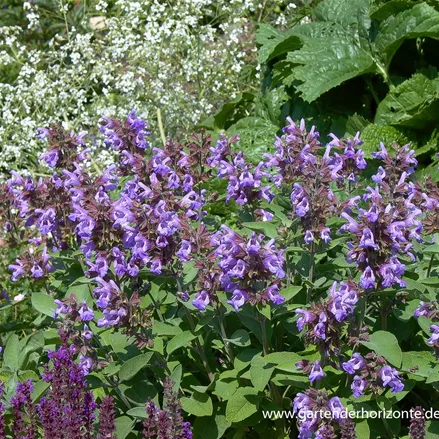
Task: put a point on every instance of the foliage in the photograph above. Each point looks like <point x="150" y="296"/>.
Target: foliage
<point x="189" y="267"/>
<point x="356" y="63"/>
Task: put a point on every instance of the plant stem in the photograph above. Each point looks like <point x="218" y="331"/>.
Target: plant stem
<point x="311" y="272"/>
<point x="161" y="129"/>
<point x="157" y="307"/>
<point x="224" y="335"/>
<point x="372" y="90"/>
<point x="198" y="346"/>
<point x="274" y="391"/>
<point x="430" y="265"/>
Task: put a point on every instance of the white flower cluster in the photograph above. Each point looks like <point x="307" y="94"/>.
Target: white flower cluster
<point x="183" y="57"/>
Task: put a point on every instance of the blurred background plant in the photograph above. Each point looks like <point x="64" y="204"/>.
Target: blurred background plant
<point x="74" y="60"/>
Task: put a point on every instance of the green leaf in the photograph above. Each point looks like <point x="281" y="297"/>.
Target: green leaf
<point x="266" y="227"/>
<point x="418" y="363"/>
<point x="199" y="404"/>
<point x="138" y="412"/>
<point x="176" y="375"/>
<point x="240" y="338"/>
<point x="11" y="355"/>
<point x="414" y="103"/>
<point x="362" y="429"/>
<point x="374" y="134"/>
<point x="242" y="404"/>
<point x="179" y="341"/>
<point x="130" y="368"/>
<point x="124" y="424"/>
<point x="289" y="292"/>
<point x="420" y="21"/>
<point x="43" y="303"/>
<point x="163" y="328"/>
<point x="212" y="427"/>
<point x="260" y="372"/>
<point x="274" y="42"/>
<point x="81" y="292"/>
<point x="343" y="12"/>
<point x="382" y="11"/>
<point x="328" y="62"/>
<point x="256" y="134"/>
<point x="384" y="343"/>
<point x="356" y="123"/>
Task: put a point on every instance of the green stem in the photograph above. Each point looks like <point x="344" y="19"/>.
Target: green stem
<point x="311" y="272"/>
<point x="430" y="265"/>
<point x="229" y="350"/>
<point x="274" y="391"/>
<point x="199" y="348"/>
<point x="157" y="307"/>
<point x="372" y="90"/>
<point x="161" y="129"/>
<point x="385" y="76"/>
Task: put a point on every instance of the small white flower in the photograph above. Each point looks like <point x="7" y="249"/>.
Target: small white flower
<point x="19" y="297"/>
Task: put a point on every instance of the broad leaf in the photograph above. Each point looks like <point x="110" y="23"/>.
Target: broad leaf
<point x="124" y="424"/>
<point x="130" y="368"/>
<point x="179" y="341"/>
<point x="384" y="343"/>
<point x="344" y="12"/>
<point x="43" y="303"/>
<point x="326" y="63"/>
<point x="11" y="355"/>
<point x="260" y="372"/>
<point x="212" y="427"/>
<point x="199" y="404"/>
<point x="420" y="21"/>
<point x="240" y="338"/>
<point x="242" y="404"/>
<point x="414" y="103"/>
<point x="274" y="42"/>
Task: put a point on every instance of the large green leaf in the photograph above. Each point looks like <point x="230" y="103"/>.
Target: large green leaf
<point x="260" y="372"/>
<point x="420" y="21"/>
<point x="414" y="103"/>
<point x="242" y="404"/>
<point x="199" y="404"/>
<point x="274" y="42"/>
<point x="130" y="368"/>
<point x="257" y="135"/>
<point x="212" y="427"/>
<point x="11" y="355"/>
<point x="384" y="343"/>
<point x="328" y="62"/>
<point x="179" y="341"/>
<point x="124" y="424"/>
<point x="43" y="303"/>
<point x="344" y="12"/>
<point x="381" y="10"/>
